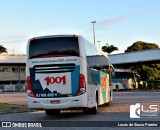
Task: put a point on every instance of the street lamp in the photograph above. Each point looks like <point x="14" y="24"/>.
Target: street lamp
<point x="93" y="30"/>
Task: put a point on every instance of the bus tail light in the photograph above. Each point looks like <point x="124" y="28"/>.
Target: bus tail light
<point x="82" y="85"/>
<point x="29" y="87"/>
<point x="32" y="39"/>
<point x="75" y="36"/>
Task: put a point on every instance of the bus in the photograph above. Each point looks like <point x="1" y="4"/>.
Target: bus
<point x="124" y="79"/>
<point x="61" y="76"/>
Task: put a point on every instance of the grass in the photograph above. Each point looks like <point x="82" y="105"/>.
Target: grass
<point x="11" y="108"/>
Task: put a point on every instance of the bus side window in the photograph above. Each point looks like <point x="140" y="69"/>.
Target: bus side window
<point x="89" y="75"/>
<point x="95" y="76"/>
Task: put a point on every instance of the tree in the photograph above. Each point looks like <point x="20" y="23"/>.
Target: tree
<point x="150" y="73"/>
<point x="109" y="48"/>
<point x="3" y="49"/>
<point x="139" y="45"/>
<point x="147" y="72"/>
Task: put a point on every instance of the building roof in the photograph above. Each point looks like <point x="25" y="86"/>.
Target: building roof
<point x="145" y="56"/>
<point x="12" y="59"/>
<point x="137" y="57"/>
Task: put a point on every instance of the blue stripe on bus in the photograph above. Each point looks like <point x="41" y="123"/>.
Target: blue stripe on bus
<point x="75" y="80"/>
<point x="119" y="80"/>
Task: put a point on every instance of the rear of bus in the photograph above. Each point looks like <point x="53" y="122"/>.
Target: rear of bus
<point x="55" y="78"/>
<point x="123" y="79"/>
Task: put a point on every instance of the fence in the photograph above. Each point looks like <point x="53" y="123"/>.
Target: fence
<point x="13" y="88"/>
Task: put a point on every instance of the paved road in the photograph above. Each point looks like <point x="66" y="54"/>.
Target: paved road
<point x="119" y="110"/>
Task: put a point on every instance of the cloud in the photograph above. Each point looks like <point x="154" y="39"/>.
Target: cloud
<point x="13" y="39"/>
<point x="121" y="19"/>
<point x="114" y="20"/>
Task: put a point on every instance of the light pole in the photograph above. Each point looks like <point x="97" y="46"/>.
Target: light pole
<point x="93" y="30"/>
<point x="99" y="44"/>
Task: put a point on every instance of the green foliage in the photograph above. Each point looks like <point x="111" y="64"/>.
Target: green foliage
<point x="109" y="48"/>
<point x="147" y="72"/>
<point x="139" y="45"/>
<point x="150" y="72"/>
<point x="12" y="108"/>
<point x="3" y="49"/>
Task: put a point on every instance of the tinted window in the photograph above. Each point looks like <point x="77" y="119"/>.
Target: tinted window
<point x="4" y="69"/>
<point x="54" y="46"/>
<point x="124" y="74"/>
<point x="14" y="69"/>
<point x="90" y="50"/>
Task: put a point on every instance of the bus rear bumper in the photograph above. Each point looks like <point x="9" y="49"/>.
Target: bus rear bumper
<point x="58" y="103"/>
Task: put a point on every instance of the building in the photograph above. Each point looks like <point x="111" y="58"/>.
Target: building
<point x="12" y="69"/>
<point x="13" y="66"/>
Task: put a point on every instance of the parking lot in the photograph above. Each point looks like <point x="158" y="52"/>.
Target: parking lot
<point x="119" y="109"/>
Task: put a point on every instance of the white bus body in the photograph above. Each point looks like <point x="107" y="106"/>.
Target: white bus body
<point x="59" y="77"/>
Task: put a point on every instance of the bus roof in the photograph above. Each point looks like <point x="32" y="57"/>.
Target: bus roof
<point x="51" y="36"/>
<point x="122" y="70"/>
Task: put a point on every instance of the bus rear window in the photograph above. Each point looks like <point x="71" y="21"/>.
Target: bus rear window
<point x="53" y="46"/>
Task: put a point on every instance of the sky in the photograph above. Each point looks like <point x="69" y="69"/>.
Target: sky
<point x="118" y="22"/>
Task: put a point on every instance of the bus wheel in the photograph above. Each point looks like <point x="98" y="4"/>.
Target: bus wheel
<point x="52" y="112"/>
<point x="95" y="108"/>
<point x="117" y="88"/>
<point x="92" y="110"/>
<point x="86" y="110"/>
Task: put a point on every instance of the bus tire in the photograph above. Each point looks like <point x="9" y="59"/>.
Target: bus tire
<point x="52" y="112"/>
<point x="95" y="108"/>
<point x="117" y="88"/>
<point x="92" y="110"/>
<point x="86" y="110"/>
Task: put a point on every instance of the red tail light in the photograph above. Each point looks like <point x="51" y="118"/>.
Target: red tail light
<point x="29" y="87"/>
<point x="75" y="36"/>
<point x="32" y="39"/>
<point x="82" y="85"/>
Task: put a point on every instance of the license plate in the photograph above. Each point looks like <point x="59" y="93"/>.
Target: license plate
<point x="55" y="102"/>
